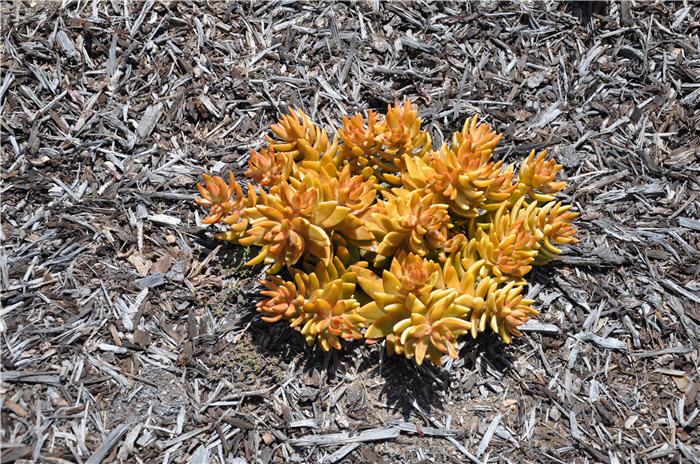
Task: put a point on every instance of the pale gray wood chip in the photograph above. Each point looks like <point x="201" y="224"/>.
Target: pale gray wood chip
<point x="430" y="431"/>
<point x="380" y="433"/>
<point x="50" y="104"/>
<point x="688" y="223"/>
<point x="112" y="348"/>
<point x="605" y="181"/>
<point x="149" y="120"/>
<point x="690" y="453"/>
<point x="672" y="350"/>
<point x="506" y="434"/>
<point x="343" y="72"/>
<point x="112" y="57"/>
<point x="127" y="448"/>
<point x="209" y="105"/>
<point x="66" y="44"/>
<point x="201" y="456"/>
<point x="164" y="219"/>
<point x="151" y="281"/>
<point x="129" y="312"/>
<point x="340" y="453"/>
<point x="4" y="272"/>
<point x="665" y="450"/>
<point x="540" y="327"/>
<point x="184" y="437"/>
<point x="673" y="372"/>
<point x="103" y="450"/>
<point x="107" y="369"/>
<point x="7" y="81"/>
<point x="308" y="423"/>
<point x="547" y="116"/>
<point x="588" y="59"/>
<point x="632" y="330"/>
<point x="142" y="15"/>
<point x="668" y="283"/>
<point x="691" y="97"/>
<point x="413" y="43"/>
<point x="607" y="343"/>
<point x="486" y="439"/>
<point x="327" y="87"/>
<point x="575" y="432"/>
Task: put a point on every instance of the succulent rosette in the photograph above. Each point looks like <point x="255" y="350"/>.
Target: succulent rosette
<point x="410" y="220"/>
<point x="268" y="167"/>
<point x="297" y="136"/>
<point x="536" y="177"/>
<point x="361" y="142"/>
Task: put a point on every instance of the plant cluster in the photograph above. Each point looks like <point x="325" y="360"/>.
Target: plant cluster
<point x="383" y="237"/>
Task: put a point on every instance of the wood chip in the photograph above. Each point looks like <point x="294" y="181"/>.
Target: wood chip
<point x="380" y="433"/>
<point x="149" y="120"/>
<point x="110" y="442"/>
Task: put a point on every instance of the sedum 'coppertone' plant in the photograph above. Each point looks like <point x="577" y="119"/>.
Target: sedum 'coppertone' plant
<point x="386" y="238"/>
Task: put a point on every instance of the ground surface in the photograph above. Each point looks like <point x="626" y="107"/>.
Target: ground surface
<point x="129" y="334"/>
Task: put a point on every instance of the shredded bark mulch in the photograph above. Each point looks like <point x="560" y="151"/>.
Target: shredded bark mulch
<point x="129" y="334"/>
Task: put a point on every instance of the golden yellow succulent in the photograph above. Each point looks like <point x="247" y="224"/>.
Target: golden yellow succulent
<point x="361" y="142"/>
<point x="536" y="177"/>
<point x="489" y="301"/>
<point x="402" y="136"/>
<point x="478" y="138"/>
<point x="332" y="316"/>
<point x="413" y="311"/>
<point x="465" y="180"/>
<point x="268" y="167"/>
<point x="227" y="204"/>
<point x="284" y="299"/>
<point x="352" y="191"/>
<point x="504" y="311"/>
<point x="302" y="140"/>
<point x="343" y="201"/>
<point x="417" y="275"/>
<point x="394" y="294"/>
<point x="319" y="303"/>
<point x="432" y="332"/>
<point x="216" y="197"/>
<point x="449" y="249"/>
<point x="411" y="220"/>
<point x="511" y="243"/>
<point x="554" y="221"/>
<point x="282" y="226"/>
<point x="398" y="134"/>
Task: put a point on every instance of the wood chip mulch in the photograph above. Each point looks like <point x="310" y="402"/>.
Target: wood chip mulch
<point x="129" y="334"/>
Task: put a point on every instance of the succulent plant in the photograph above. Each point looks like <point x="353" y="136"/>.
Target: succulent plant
<point x="216" y="197"/>
<point x="412" y="310"/>
<point x="227" y="204"/>
<point x="301" y="139"/>
<point x="536" y="177"/>
<point x="412" y="221"/>
<point x="378" y="236"/>
<point x="361" y="143"/>
<point x="555" y="222"/>
<point x="511" y="243"/>
<point x="332" y="316"/>
<point x="463" y="175"/>
<point x="320" y="303"/>
<point x="268" y="167"/>
<point x="402" y="136"/>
